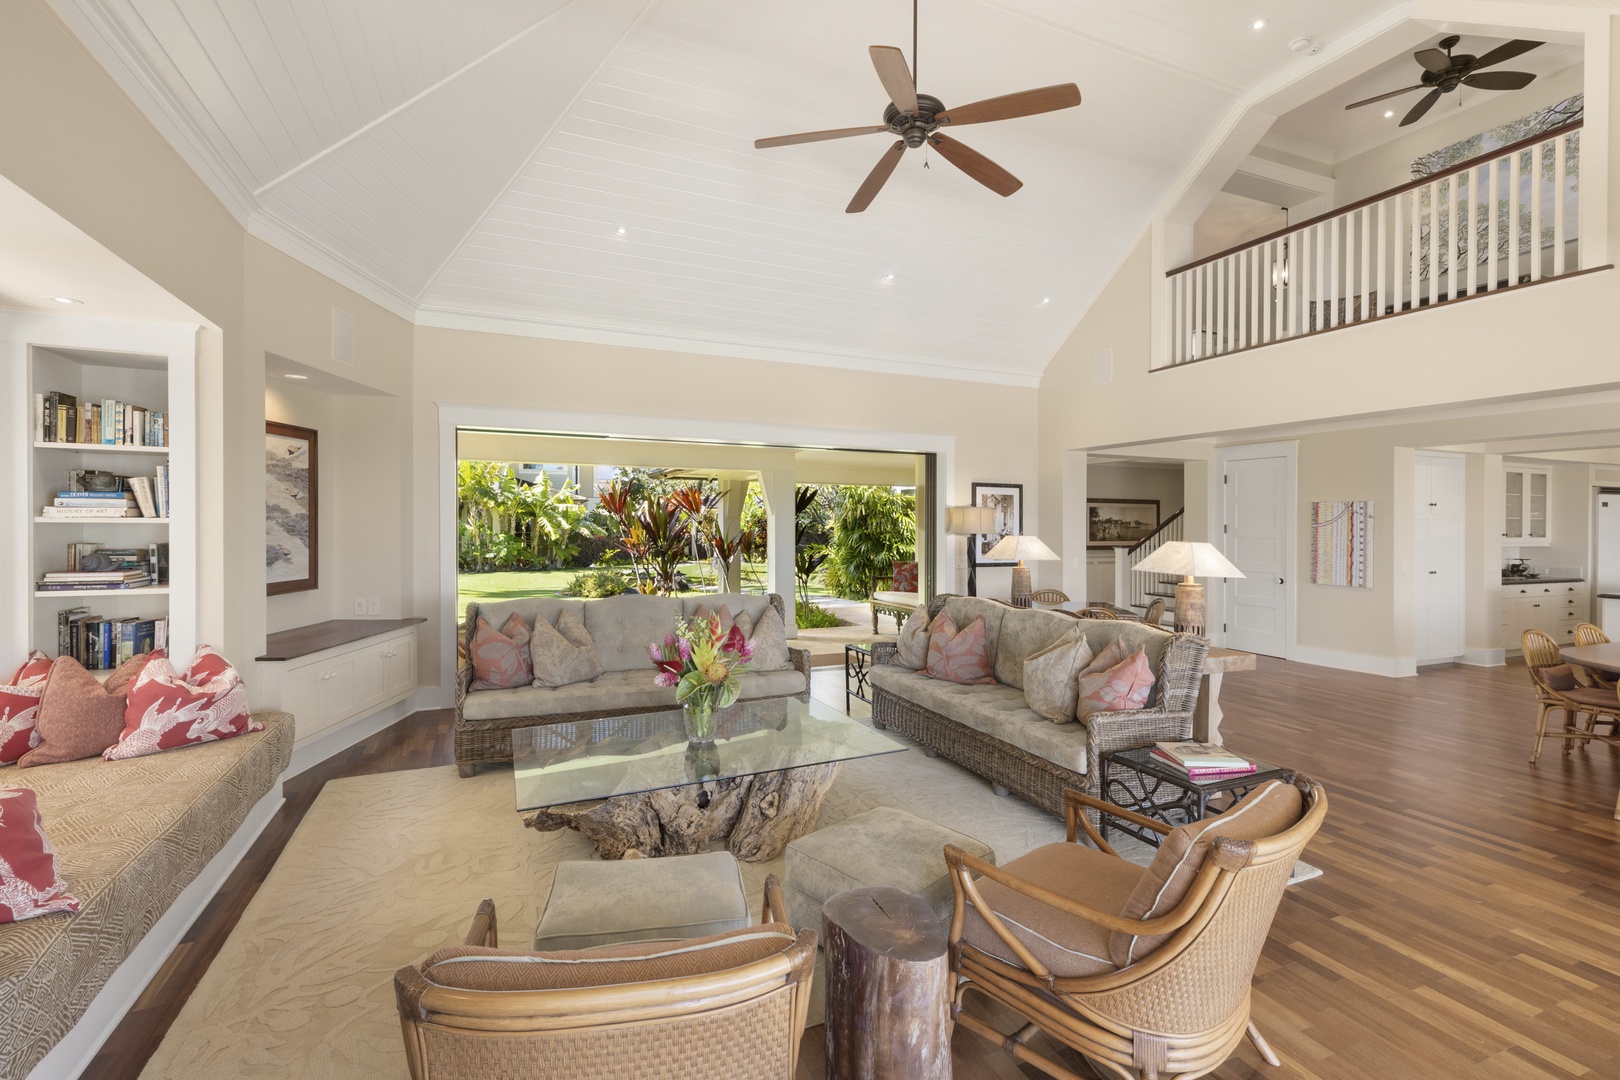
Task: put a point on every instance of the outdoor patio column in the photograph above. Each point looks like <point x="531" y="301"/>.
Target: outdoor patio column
<point x="734" y="486"/>
<point x="778" y="486"/>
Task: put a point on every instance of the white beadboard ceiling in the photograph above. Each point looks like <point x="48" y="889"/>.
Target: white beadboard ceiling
<point x="471" y="163"/>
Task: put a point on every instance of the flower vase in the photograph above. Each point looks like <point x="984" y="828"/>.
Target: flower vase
<point x="698" y="715"/>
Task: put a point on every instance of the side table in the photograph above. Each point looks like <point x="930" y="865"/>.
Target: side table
<point x="1135" y="780"/>
<point x="857" y="666"/>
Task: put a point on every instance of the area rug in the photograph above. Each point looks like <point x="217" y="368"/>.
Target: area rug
<point x="386" y="868"/>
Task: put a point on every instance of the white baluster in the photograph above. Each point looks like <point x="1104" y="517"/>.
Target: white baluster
<point x="1414" y="256"/>
<point x="1535" y="194"/>
<point x="1381" y="285"/>
<point x="1493" y="197"/>
<point x="1397" y="265"/>
<point x="1559" y="165"/>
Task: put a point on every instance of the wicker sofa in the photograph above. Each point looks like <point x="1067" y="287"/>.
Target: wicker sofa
<point x="621" y="628"/>
<point x="992" y="731"/>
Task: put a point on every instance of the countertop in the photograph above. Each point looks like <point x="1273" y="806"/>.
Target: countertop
<point x="1541" y="580"/>
<point x="317" y="637"/>
<point x="1608" y="596"/>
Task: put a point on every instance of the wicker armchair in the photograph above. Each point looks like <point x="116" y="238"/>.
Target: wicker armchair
<point x="1154" y="615"/>
<point x="1160" y="996"/>
<point x="475" y="1011"/>
<point x="1558" y="691"/>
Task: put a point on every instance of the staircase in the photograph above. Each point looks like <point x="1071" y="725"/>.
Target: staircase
<point x="1137" y="590"/>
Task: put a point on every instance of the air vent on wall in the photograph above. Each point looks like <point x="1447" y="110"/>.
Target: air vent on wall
<point x="342" y="336"/>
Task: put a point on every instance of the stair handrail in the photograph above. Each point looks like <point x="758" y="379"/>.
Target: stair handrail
<point x="1163" y="525"/>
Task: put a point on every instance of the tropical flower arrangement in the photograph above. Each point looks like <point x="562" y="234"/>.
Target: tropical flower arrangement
<point x="701" y="660"/>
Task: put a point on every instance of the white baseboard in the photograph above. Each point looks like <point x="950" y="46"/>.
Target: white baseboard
<point x="435" y="697"/>
<point x="69" y="1057"/>
<point x="341" y="736"/>
<point x="1484" y="657"/>
<point x="1394" y="667"/>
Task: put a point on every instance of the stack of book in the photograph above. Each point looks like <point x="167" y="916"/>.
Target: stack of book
<point x="102" y="644"/>
<point x="74" y="580"/>
<point x="63" y="418"/>
<point x="1201" y="760"/>
<point x="94" y="506"/>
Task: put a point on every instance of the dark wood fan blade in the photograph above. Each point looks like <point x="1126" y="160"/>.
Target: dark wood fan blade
<point x="895" y="76"/>
<point x="876" y="178"/>
<point x="1007" y="106"/>
<point x="976" y="165"/>
<point x="1435" y="60"/>
<point x="1424" y="105"/>
<point x="1505" y="52"/>
<point x="1500" y="80"/>
<point x="816" y="136"/>
<point x="1381" y="97"/>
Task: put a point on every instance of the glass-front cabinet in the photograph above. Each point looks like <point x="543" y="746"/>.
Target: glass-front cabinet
<point x="1524" y="519"/>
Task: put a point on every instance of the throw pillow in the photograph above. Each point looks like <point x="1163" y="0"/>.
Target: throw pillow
<point x="768" y="639"/>
<point x="78" y="716"/>
<point x="167" y="710"/>
<point x="564" y="654"/>
<point x="1559" y="677"/>
<point x="904" y="578"/>
<point x="1052" y="677"/>
<point x="500" y="658"/>
<point x="1111" y="655"/>
<point x="1124" y="686"/>
<point x="19" y="707"/>
<point x="30" y="882"/>
<point x="912" y="648"/>
<point x="958" y="656"/>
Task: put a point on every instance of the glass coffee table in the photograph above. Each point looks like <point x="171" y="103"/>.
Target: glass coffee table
<point x="635" y="783"/>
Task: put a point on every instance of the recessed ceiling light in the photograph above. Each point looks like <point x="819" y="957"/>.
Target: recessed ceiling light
<point x="64" y="299"/>
<point x="1046" y="299"/>
<point x="621" y="230"/>
<point x="300" y="378"/>
<point x="1259" y="24"/>
<point x="889" y="276"/>
<point x="1388" y="113"/>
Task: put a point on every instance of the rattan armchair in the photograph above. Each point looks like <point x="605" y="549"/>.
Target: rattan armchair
<point x="1558" y="691"/>
<point x="1180" y="1007"/>
<point x="474" y="1012"/>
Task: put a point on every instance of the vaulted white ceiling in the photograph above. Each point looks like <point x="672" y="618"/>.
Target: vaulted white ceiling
<point x="473" y="163"/>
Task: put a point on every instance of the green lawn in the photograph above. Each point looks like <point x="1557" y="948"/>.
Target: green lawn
<point x="510" y="585"/>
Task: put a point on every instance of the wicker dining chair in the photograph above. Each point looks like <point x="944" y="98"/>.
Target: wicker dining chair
<point x="1558" y="691"/>
<point x="1049" y="596"/>
<point x="1144" y="971"/>
<point x="1154" y="615"/>
<point x="1588" y="634"/>
<point x="475" y="1011"/>
<point x="1095" y="613"/>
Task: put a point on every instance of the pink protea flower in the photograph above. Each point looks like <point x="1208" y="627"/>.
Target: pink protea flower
<point x="666" y="678"/>
<point x="686" y="649"/>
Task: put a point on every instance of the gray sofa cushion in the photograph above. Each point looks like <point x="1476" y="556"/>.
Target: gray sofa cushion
<point x="995" y="709"/>
<point x="1025" y="632"/>
<point x="530" y="608"/>
<point x="613" y="691"/>
<point x="623" y="626"/>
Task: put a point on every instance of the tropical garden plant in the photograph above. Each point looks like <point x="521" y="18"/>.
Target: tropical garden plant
<point x="873" y="528"/>
<point x="504" y="523"/>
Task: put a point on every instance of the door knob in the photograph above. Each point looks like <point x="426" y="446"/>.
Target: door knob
<point x="1279" y="581"/>
<point x="1434" y="571"/>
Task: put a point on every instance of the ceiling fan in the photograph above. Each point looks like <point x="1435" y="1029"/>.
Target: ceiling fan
<point x="916" y="119"/>
<point x="1443" y="73"/>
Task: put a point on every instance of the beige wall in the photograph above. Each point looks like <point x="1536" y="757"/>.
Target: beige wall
<point x="1165" y="484"/>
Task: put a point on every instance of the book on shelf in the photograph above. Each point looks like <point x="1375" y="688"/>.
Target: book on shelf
<point x="142" y="488"/>
<point x="1202" y="759"/>
<point x="90" y="513"/>
<point x="94" y="586"/>
<point x="101" y="644"/>
<point x="62" y="418"/>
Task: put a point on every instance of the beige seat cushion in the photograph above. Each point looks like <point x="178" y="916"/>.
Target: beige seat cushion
<point x="881" y="846"/>
<point x="1069" y="947"/>
<point x="623" y="626"/>
<point x="613" y="691"/>
<point x="1268" y="810"/>
<point x="594" y="903"/>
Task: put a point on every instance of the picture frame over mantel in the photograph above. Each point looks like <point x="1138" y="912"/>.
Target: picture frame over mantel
<point x="291" y="509"/>
<point x="1007" y="500"/>
<point x="1112" y="523"/>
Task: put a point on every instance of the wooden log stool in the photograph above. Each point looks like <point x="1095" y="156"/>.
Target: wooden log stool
<point x="888" y="987"/>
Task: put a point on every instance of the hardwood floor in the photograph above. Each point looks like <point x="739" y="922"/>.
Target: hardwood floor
<point x="1467" y="924"/>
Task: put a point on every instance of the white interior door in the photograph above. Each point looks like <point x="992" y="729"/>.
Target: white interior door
<point x="1438" y="552"/>
<point x="1259" y="522"/>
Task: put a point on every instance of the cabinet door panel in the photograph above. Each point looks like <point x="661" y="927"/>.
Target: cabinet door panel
<point x="338" y="691"/>
<point x="370" y="678"/>
<point x="399" y="660"/>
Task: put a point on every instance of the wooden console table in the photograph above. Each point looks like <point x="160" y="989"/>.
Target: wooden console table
<point x="1207" y="713"/>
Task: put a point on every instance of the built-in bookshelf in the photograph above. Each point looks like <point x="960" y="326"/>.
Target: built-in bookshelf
<point x="81" y="464"/>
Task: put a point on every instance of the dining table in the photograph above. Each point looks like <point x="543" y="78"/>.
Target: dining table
<point x="1604" y="657"/>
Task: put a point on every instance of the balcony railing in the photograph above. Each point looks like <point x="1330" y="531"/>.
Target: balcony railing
<point x="1505" y="219"/>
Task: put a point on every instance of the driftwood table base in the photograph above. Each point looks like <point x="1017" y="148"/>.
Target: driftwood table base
<point x="888" y="987"/>
<point x="756" y="815"/>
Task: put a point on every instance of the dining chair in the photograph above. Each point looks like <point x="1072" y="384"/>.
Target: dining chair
<point x="1095" y="613"/>
<point x="1049" y="596"/>
<point x="1154" y="615"/>
<point x="1558" y="691"/>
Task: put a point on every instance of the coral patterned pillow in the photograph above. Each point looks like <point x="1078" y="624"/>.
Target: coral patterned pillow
<point x="30" y="883"/>
<point x="167" y="710"/>
<point x="1111" y="655"/>
<point x="1124" y="686"/>
<point x="905" y="577"/>
<point x="19" y="706"/>
<point x="958" y="656"/>
<point x="500" y="658"/>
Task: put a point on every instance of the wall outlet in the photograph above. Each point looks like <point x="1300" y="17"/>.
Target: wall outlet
<point x="359" y="606"/>
<point x="374" y="606"/>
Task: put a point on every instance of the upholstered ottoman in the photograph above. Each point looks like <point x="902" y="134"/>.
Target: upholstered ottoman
<point x="882" y="846"/>
<point x="608" y="903"/>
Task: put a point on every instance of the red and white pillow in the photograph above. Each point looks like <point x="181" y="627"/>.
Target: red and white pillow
<point x="30" y="882"/>
<point x="19" y="707"/>
<point x="167" y="710"/>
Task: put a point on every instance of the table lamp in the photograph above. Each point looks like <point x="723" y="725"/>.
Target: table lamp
<point x="1020" y="548"/>
<point x="970" y="521"/>
<point x="1190" y="558"/>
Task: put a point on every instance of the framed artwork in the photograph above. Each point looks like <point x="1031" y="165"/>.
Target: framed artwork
<point x="1112" y="523"/>
<point x="291" y="509"/>
<point x="1341" y="540"/>
<point x="1007" y="500"/>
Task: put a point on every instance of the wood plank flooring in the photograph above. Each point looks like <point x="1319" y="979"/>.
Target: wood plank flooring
<point x="1467" y="925"/>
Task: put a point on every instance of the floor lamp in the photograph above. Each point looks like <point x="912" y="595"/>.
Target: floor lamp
<point x="1189" y="558"/>
<point x="1019" y="548"/>
<point x="971" y="522"/>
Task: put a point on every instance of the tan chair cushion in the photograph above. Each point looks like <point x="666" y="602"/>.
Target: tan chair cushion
<point x="1070" y="947"/>
<point x="667" y="899"/>
<point x="1052" y="676"/>
<point x="1266" y="811"/>
<point x="1560" y="677"/>
<point x="565" y="655"/>
<point x="1596" y="696"/>
<point x="472" y="967"/>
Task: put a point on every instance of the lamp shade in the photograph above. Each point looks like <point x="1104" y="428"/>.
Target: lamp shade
<point x="969" y="520"/>
<point x="1015" y="548"/>
<point x="1192" y="558"/>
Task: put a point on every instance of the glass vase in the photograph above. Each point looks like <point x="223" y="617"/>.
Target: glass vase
<point x="698" y="715"/>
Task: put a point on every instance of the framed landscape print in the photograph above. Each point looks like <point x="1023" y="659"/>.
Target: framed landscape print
<point x="290" y="509"/>
<point x="1007" y="500"/>
<point x="1120" y="522"/>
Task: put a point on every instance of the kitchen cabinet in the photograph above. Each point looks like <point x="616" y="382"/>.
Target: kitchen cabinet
<point x="1555" y="607"/>
<point x="326" y="688"/>
<point x="1524" y="519"/>
<point x="1438" y="557"/>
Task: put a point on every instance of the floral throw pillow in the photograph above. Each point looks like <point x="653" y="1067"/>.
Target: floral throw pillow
<point x="19" y="707"/>
<point x="958" y="656"/>
<point x="168" y="709"/>
<point x="1111" y="655"/>
<point x="904" y="578"/>
<point x="30" y="882"/>
<point x="1124" y="686"/>
<point x="500" y="658"/>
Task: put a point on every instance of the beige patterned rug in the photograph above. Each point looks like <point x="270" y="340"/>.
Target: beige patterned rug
<point x="386" y="868"/>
